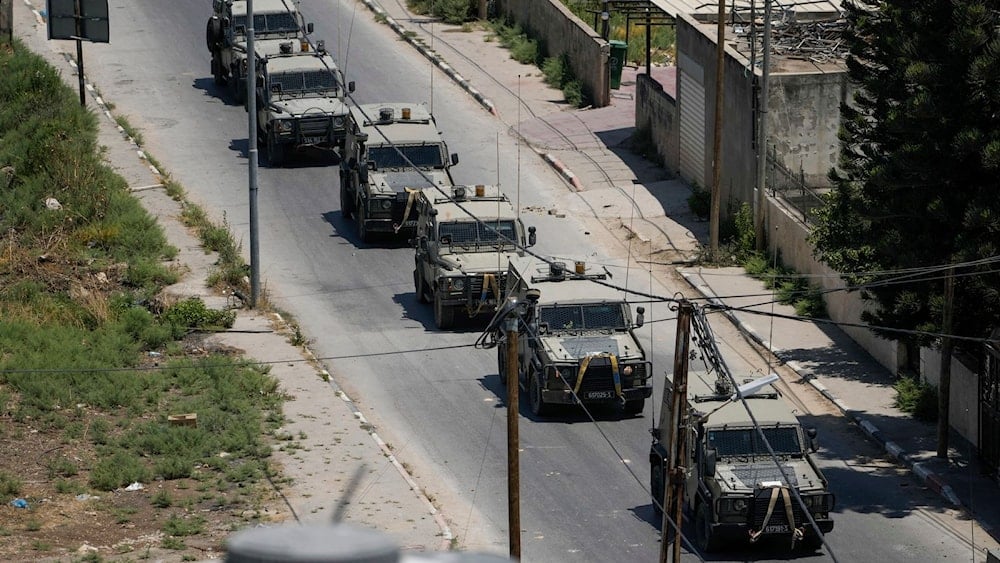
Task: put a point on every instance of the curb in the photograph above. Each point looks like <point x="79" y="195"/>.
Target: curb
<point x="411" y="38"/>
<point x="563" y="171"/>
<point x="933" y="481"/>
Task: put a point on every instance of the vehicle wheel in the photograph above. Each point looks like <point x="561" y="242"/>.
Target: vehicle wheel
<point x="538" y="406"/>
<point x="811" y="543"/>
<point x="346" y="201"/>
<point x="217" y="76"/>
<point x="423" y="290"/>
<point x="656" y="488"/>
<point x="707" y="542"/>
<point x="239" y="90"/>
<point x="363" y="232"/>
<point x="502" y="363"/>
<point x="444" y="316"/>
<point x="632" y="408"/>
<point x="275" y="152"/>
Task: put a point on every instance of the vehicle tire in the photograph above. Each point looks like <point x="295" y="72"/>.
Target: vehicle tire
<point x="275" y="152"/>
<point x="359" y="216"/>
<point x="213" y="31"/>
<point x="444" y="316"/>
<point x="633" y="408"/>
<point x="656" y="489"/>
<point x="707" y="542"/>
<point x="346" y="201"/>
<point x="538" y="406"/>
<point x="502" y="363"/>
<point x="217" y="76"/>
<point x="239" y="89"/>
<point x="811" y="543"/>
<point x="423" y="289"/>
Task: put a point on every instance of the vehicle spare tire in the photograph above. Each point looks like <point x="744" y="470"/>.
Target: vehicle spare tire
<point x="213" y="34"/>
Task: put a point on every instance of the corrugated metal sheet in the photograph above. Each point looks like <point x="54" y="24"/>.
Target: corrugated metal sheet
<point x="692" y="128"/>
<point x="703" y="7"/>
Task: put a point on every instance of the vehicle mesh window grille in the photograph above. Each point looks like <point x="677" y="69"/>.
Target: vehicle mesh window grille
<point x="460" y="233"/>
<point x="603" y="316"/>
<point x="497" y="230"/>
<point x="467" y="232"/>
<point x="426" y="156"/>
<point x="562" y="318"/>
<point x="238" y="22"/>
<point x="731" y="442"/>
<point x="782" y="440"/>
<point x="288" y="82"/>
<point x="274" y="23"/>
<point x="321" y="80"/>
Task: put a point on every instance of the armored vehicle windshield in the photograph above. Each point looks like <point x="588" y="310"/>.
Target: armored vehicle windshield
<point x="282" y="22"/>
<point x="745" y="442"/>
<point x="309" y="82"/>
<point x="475" y="235"/>
<point x="420" y="156"/>
<point x="588" y="316"/>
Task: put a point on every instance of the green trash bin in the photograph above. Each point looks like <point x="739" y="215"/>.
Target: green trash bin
<point x="619" y="50"/>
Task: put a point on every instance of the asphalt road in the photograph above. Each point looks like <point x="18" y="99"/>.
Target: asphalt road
<point x="436" y="399"/>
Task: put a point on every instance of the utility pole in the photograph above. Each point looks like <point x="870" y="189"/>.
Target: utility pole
<point x="673" y="483"/>
<point x="944" y="385"/>
<point x="252" y="159"/>
<point x="7" y="21"/>
<point x="482" y="9"/>
<point x="513" y="441"/>
<point x="720" y="62"/>
<point x="761" y="199"/>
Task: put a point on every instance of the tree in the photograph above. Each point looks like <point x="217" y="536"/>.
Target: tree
<point x="917" y="186"/>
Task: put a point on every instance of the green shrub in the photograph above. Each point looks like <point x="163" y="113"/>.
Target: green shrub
<point x="9" y="485"/>
<point x="700" y="202"/>
<point x="192" y="313"/>
<point x="450" y="11"/>
<point x="916" y="398"/>
<point x="161" y="499"/>
<point x="176" y="526"/>
<point x="118" y="470"/>
<point x="573" y="92"/>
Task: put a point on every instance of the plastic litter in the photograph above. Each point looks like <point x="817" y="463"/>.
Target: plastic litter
<point x="136" y="486"/>
<point x="85" y="496"/>
<point x="19" y="503"/>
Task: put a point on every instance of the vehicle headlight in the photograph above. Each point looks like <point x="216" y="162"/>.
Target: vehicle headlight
<point x="733" y="506"/>
<point x="386" y="203"/>
<point x="283" y="126"/>
<point x="338" y="121"/>
<point x="627" y="371"/>
<point x="244" y="64"/>
<point x="567" y="373"/>
<point x="458" y="284"/>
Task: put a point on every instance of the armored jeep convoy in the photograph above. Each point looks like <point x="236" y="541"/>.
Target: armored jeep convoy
<point x="578" y="345"/>
<point x="278" y="27"/>
<point x="464" y="238"/>
<point x="734" y="488"/>
<point x="301" y="102"/>
<point x="392" y="151"/>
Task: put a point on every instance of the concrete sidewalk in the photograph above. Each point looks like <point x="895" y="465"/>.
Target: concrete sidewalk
<point x="589" y="148"/>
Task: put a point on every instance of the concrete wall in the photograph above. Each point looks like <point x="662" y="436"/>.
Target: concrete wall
<point x="964" y="398"/>
<point x="656" y="111"/>
<point x="803" y="120"/>
<point x="697" y="44"/>
<point x="559" y="32"/>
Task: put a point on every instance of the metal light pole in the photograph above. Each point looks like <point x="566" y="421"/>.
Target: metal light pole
<point x="713" y="224"/>
<point x="761" y="199"/>
<point x="513" y="441"/>
<point x="252" y="158"/>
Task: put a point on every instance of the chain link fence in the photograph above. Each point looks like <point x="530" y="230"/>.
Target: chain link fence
<point x="791" y="187"/>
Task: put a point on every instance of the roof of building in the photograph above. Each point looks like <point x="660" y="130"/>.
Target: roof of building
<point x="700" y="8"/>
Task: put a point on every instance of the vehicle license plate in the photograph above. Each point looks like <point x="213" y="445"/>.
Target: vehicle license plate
<point x="601" y="395"/>
<point x="313" y="140"/>
<point x="776" y="529"/>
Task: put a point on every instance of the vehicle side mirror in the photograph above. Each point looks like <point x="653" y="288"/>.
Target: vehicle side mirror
<point x="640" y="316"/>
<point x="350" y="87"/>
<point x="532" y="237"/>
<point x="543" y="328"/>
<point x="309" y="27"/>
<point x="708" y="467"/>
<point x="454" y="158"/>
<point x="813" y="442"/>
<point x="370" y="165"/>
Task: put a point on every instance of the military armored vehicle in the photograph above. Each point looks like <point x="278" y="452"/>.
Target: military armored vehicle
<point x="578" y="346"/>
<point x="461" y="259"/>
<point x="734" y="489"/>
<point x="301" y="102"/>
<point x="277" y="26"/>
<point x="392" y="151"/>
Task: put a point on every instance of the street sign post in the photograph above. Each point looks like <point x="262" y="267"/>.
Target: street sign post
<point x="78" y="20"/>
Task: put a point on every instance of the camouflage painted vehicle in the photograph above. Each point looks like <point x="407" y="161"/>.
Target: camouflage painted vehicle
<point x="278" y="26"/>
<point x="301" y="101"/>
<point x="579" y="345"/>
<point x="465" y="236"/>
<point x="734" y="490"/>
<point x="393" y="150"/>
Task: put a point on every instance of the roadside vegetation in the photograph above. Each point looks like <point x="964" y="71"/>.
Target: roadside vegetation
<point x="663" y="38"/>
<point x="94" y="358"/>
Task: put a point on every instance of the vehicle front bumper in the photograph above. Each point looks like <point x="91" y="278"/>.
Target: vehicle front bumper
<point x="565" y="396"/>
<point x="739" y="532"/>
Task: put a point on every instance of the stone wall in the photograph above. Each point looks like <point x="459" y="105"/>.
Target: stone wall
<point x="560" y="32"/>
<point x="963" y="400"/>
<point x="656" y="112"/>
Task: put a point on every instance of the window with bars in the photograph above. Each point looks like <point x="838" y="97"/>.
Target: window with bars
<point x="422" y="156"/>
<point x="292" y="82"/>
<point x="746" y="441"/>
<point x="465" y="233"/>
<point x="602" y="316"/>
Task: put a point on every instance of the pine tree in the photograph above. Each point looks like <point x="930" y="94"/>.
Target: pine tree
<point x="917" y="186"/>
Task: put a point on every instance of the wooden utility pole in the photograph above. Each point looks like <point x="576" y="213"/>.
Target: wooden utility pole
<point x="513" y="441"/>
<point x="482" y="9"/>
<point x="760" y="202"/>
<point x="944" y="385"/>
<point x="675" y="474"/>
<point x="713" y="224"/>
